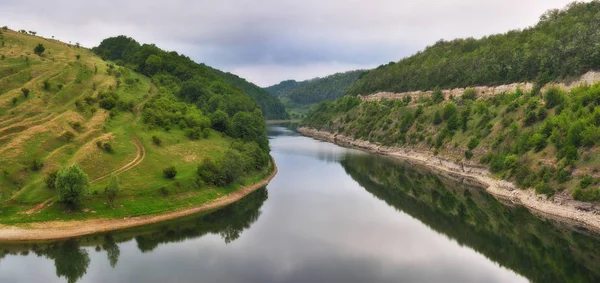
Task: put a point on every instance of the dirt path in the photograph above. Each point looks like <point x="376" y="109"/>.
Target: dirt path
<point x="139" y="157"/>
<point x="54" y="230"/>
<point x="570" y="211"/>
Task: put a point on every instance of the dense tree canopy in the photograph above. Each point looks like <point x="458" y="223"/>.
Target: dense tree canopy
<point x="563" y="44"/>
<point x="317" y="89"/>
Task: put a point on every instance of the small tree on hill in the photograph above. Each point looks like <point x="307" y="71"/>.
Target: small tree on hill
<point x="170" y="172"/>
<point x="25" y="92"/>
<point x="72" y="185"/>
<point x="51" y="180"/>
<point x="39" y="49"/>
<point x="437" y="95"/>
<point x="112" y="190"/>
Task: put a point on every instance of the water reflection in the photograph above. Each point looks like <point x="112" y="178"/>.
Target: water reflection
<point x="541" y="250"/>
<point x="72" y="260"/>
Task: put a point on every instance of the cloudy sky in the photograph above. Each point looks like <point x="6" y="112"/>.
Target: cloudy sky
<point x="267" y="41"/>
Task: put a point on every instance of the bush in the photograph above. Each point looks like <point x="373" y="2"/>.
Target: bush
<point x="46" y="85"/>
<point x="36" y="165"/>
<point x="473" y="143"/>
<point x="39" y="49"/>
<point x="543" y="188"/>
<point x="194" y="133"/>
<point x="68" y="136"/>
<point x="112" y="189"/>
<point x="156" y="141"/>
<point x="538" y="141"/>
<point x="170" y="172"/>
<point x="51" y="180"/>
<point x="164" y="191"/>
<point x="586" y="181"/>
<point x="469" y="94"/>
<point x="468" y="154"/>
<point x="99" y="144"/>
<point x="206" y="133"/>
<point x="108" y="147"/>
<point x="511" y="161"/>
<point x="25" y="92"/>
<point x="72" y="185"/>
<point x="437" y="118"/>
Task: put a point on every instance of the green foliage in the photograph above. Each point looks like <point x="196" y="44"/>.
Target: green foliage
<point x="72" y="185"/>
<point x="469" y="94"/>
<point x="25" y="92"/>
<point x="515" y="56"/>
<point x="50" y="180"/>
<point x="112" y="190"/>
<point x="315" y="90"/>
<point x="437" y="95"/>
<point x="170" y="172"/>
<point x="39" y="49"/>
<point x="108" y="147"/>
<point x="68" y="136"/>
<point x="156" y="140"/>
<point x="473" y="143"/>
<point x="46" y="85"/>
<point x="437" y="118"/>
<point x="219" y="121"/>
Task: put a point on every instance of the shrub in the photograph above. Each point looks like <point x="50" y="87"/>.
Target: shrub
<point x="469" y="94"/>
<point x="437" y="118"/>
<point x="437" y="95"/>
<point x="39" y="49"/>
<point x="473" y="143"/>
<point x="51" y="180"/>
<point x="15" y="100"/>
<point x="46" y="85"/>
<point x="112" y="189"/>
<point x="78" y="56"/>
<point x="468" y="154"/>
<point x="164" y="191"/>
<point x="25" y="92"/>
<point x="543" y="188"/>
<point x="108" y="147"/>
<point x="511" y="161"/>
<point x="206" y="133"/>
<point x="194" y="133"/>
<point x="170" y="172"/>
<point x="72" y="185"/>
<point x="99" y="144"/>
<point x="156" y="141"/>
<point x="586" y="181"/>
<point x="36" y="164"/>
<point x="538" y="141"/>
<point x="68" y="136"/>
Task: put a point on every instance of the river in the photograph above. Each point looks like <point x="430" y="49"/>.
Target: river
<point x="330" y="215"/>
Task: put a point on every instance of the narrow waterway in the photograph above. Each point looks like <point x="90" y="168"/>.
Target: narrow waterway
<point x="331" y="215"/>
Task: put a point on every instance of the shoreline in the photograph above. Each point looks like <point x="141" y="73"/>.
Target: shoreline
<point x="568" y="211"/>
<point x="58" y="230"/>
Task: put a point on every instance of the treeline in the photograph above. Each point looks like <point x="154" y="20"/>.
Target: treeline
<point x="547" y="141"/>
<point x="317" y="89"/>
<point x="271" y="107"/>
<point x="175" y="71"/>
<point x="562" y="45"/>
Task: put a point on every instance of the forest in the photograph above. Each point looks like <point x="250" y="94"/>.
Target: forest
<point x="561" y="46"/>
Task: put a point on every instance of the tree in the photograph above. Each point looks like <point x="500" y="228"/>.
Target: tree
<point x="112" y="250"/>
<point x="39" y="49"/>
<point x="70" y="260"/>
<point x="72" y="185"/>
<point x="153" y="65"/>
<point x="170" y="172"/>
<point x="219" y="121"/>
<point x="437" y="95"/>
<point x="112" y="190"/>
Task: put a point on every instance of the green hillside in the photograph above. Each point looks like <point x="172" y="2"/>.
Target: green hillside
<point x="562" y="45"/>
<point x="299" y="97"/>
<point x="133" y="118"/>
<point x="271" y="107"/>
<point x="547" y="140"/>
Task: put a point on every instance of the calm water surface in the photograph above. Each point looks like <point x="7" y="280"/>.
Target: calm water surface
<point x="330" y="215"/>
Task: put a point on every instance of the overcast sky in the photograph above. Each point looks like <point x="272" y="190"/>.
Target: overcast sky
<point x="267" y="41"/>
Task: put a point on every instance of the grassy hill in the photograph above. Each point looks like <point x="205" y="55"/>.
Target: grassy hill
<point x="299" y="97"/>
<point x="69" y="106"/>
<point x="271" y="107"/>
<point x="547" y="140"/>
<point x="562" y="45"/>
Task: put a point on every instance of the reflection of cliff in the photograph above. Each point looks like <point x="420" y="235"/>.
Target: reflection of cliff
<point x="72" y="261"/>
<point x="543" y="251"/>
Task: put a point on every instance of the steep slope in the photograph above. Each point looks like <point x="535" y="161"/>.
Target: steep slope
<point x="271" y="107"/>
<point x="562" y="45"/>
<point x="545" y="138"/>
<point x="67" y="106"/>
<point x="298" y="97"/>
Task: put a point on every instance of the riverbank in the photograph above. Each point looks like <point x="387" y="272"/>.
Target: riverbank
<point x="56" y="230"/>
<point x="566" y="210"/>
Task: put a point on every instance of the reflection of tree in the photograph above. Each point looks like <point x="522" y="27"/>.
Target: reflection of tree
<point x="229" y="222"/>
<point x="112" y="250"/>
<point x="70" y="260"/>
<point x="539" y="249"/>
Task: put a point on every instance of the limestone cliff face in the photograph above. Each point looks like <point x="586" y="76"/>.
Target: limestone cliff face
<point x="485" y="91"/>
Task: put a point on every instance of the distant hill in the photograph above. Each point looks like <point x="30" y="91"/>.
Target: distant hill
<point x="271" y="107"/>
<point x="562" y="45"/>
<point x="298" y="97"/>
